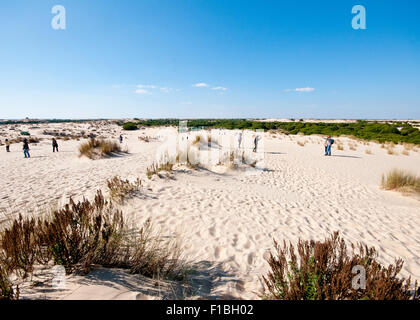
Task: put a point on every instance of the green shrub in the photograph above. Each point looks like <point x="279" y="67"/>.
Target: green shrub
<point x="129" y="126"/>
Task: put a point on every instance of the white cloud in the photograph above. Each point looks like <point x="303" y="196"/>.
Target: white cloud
<point x="201" y="85"/>
<point x="307" y="89"/>
<point x="219" y="88"/>
<point x="142" y="91"/>
<point x="165" y="89"/>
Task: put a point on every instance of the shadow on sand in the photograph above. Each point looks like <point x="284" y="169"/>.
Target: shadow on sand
<point x="344" y="156"/>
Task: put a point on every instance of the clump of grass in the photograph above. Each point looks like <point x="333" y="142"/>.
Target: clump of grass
<point x="405" y="153"/>
<point x="391" y="151"/>
<point x="409" y="146"/>
<point x="302" y="144"/>
<point x="121" y="189"/>
<point x="196" y="140"/>
<point x="368" y="151"/>
<point x="155" y="169"/>
<point x="98" y="148"/>
<point x="324" y="271"/>
<point x="401" y="181"/>
<point x="340" y="146"/>
<point x="352" y="146"/>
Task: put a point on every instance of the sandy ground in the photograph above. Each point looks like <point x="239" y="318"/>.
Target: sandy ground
<point x="227" y="219"/>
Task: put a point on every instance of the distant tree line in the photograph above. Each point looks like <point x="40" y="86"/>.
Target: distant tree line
<point x="395" y="131"/>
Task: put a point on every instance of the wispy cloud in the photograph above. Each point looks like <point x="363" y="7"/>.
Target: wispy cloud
<point x="307" y="89"/>
<point x="201" y="85"/>
<point x="219" y="88"/>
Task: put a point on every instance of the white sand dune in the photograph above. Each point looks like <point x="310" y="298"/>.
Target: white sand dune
<point x="228" y="219"/>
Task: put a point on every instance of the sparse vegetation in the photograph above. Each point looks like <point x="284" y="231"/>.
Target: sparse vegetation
<point x="98" y="148"/>
<point x="121" y="189"/>
<point x="401" y="181"/>
<point x="324" y="271"/>
<point x="302" y="144"/>
<point x="368" y="151"/>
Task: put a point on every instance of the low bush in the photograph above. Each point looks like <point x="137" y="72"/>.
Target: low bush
<point x="129" y="126"/>
<point x="325" y="271"/>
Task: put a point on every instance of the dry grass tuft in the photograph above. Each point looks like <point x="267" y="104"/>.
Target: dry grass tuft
<point x="155" y="169"/>
<point x="340" y="147"/>
<point x="391" y="151"/>
<point x="302" y="144"/>
<point x="98" y="148"/>
<point x="352" y="146"/>
<point x="401" y="181"/>
<point x="324" y="271"/>
<point x="368" y="151"/>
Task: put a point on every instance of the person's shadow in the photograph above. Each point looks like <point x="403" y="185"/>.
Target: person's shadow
<point x="344" y="156"/>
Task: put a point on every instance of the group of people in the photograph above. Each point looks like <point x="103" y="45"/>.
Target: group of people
<point x="26" y="149"/>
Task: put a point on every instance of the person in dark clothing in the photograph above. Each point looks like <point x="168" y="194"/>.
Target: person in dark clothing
<point x="121" y="138"/>
<point x="54" y="145"/>
<point x="7" y="145"/>
<point x="257" y="138"/>
<point x="26" y="148"/>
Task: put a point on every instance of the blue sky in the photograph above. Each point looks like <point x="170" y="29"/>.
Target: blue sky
<point x="213" y="58"/>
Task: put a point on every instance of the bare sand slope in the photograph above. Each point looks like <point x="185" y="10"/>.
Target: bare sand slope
<point x="228" y="220"/>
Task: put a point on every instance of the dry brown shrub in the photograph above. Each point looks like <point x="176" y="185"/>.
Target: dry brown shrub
<point x="85" y="234"/>
<point x="324" y="271"/>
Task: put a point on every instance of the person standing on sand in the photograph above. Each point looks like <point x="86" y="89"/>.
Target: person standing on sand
<point x="121" y="139"/>
<point x="239" y="140"/>
<point x="26" y="148"/>
<point x="328" y="143"/>
<point x="256" y="143"/>
<point x="54" y="145"/>
<point x="7" y="145"/>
